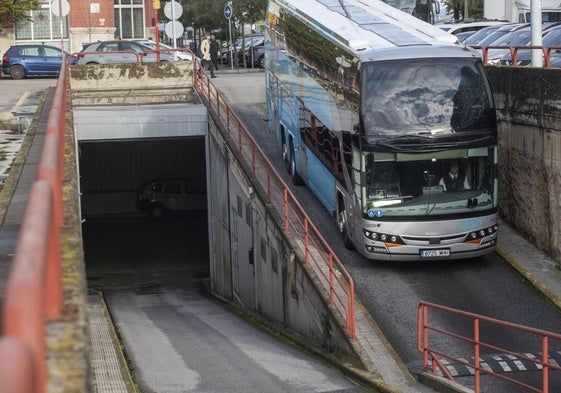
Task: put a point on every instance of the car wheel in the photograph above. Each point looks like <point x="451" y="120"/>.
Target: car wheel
<point x="261" y="62"/>
<point x="157" y="212"/>
<point x="17" y="72"/>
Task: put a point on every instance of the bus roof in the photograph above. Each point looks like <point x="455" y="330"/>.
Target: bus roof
<point x="364" y="25"/>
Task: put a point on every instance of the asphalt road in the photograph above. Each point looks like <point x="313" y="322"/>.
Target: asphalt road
<point x="177" y="338"/>
<point x="392" y="292"/>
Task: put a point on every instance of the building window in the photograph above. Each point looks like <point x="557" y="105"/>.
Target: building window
<point x="44" y="25"/>
<point x="129" y="18"/>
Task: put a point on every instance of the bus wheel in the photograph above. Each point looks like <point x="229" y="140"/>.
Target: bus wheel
<point x="284" y="152"/>
<point x="296" y="179"/>
<point x="342" y="224"/>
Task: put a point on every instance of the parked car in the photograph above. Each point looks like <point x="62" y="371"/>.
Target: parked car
<point x="519" y="37"/>
<point x="551" y="37"/>
<point x="234" y="51"/>
<point x="254" y="55"/>
<point x="168" y="49"/>
<point x="468" y="26"/>
<point x="478" y="36"/>
<point x="484" y="37"/>
<point x="119" y="52"/>
<point x="160" y="196"/>
<point x="24" y="60"/>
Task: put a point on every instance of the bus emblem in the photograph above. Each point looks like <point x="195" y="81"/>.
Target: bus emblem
<point x="375" y="213"/>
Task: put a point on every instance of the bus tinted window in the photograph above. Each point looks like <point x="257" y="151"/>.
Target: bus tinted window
<point x="420" y="96"/>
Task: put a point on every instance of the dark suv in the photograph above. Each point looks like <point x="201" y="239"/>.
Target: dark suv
<point x="20" y="61"/>
<point x="160" y="196"/>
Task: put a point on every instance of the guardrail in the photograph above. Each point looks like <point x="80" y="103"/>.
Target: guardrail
<point x="317" y="254"/>
<point x="514" y="50"/>
<point x="432" y="356"/>
<point x="34" y="287"/>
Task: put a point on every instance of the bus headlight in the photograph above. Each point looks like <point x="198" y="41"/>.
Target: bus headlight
<point x="384" y="237"/>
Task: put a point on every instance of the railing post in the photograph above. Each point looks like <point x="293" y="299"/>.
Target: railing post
<point x="545" y="363"/>
<point x="285" y="196"/>
<point x="306" y="243"/>
<point x="331" y="274"/>
<point x="240" y="138"/>
<point x="476" y="349"/>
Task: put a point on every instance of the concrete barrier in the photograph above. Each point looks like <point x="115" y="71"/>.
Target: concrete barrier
<point x="528" y="104"/>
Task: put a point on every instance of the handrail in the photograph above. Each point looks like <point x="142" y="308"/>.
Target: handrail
<point x="432" y="355"/>
<point x="337" y="282"/>
<point x="34" y="288"/>
<point x="547" y="50"/>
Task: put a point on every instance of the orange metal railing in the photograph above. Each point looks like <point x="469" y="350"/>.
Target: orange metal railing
<point x="514" y="50"/>
<point x="429" y="335"/>
<point x="317" y="254"/>
<point x="34" y="288"/>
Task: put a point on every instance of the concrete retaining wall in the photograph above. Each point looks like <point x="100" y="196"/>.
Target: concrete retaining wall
<point x="528" y="104"/>
<point x="252" y="263"/>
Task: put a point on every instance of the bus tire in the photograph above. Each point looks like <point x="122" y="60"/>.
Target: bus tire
<point x="342" y="224"/>
<point x="296" y="179"/>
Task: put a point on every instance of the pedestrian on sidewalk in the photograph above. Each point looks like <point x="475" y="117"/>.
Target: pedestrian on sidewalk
<point x="205" y="51"/>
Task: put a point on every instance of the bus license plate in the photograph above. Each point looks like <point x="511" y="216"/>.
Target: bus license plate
<point x="440" y="253"/>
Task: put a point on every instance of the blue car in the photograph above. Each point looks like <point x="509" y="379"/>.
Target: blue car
<point x="31" y="59"/>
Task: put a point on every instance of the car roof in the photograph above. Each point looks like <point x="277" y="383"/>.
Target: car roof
<point x="452" y="27"/>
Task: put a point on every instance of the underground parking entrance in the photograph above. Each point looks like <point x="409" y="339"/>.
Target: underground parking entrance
<point x="157" y="151"/>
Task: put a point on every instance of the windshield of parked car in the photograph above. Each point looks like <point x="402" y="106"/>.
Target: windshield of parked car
<point x="514" y="38"/>
<point x="479" y="35"/>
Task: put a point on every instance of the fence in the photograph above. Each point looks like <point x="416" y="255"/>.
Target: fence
<point x="432" y="357"/>
<point x="316" y="252"/>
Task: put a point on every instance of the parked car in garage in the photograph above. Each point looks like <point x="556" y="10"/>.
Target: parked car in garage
<point x="120" y="51"/>
<point x="24" y="60"/>
<point x="158" y="197"/>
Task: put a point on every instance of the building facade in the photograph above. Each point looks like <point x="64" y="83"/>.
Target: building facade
<point x="83" y="21"/>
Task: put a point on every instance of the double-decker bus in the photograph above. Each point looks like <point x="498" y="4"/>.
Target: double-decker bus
<point x="374" y="110"/>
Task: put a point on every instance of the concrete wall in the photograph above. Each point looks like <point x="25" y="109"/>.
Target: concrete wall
<point x="252" y="262"/>
<point x="529" y="111"/>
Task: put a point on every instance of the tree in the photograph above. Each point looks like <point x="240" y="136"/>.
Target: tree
<point x="475" y="8"/>
<point x="15" y="10"/>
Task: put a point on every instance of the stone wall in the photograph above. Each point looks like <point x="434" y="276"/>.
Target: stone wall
<point x="528" y="102"/>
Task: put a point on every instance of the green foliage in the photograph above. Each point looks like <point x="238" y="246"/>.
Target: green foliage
<point x="15" y="10"/>
<point x="209" y="15"/>
<point x="475" y="8"/>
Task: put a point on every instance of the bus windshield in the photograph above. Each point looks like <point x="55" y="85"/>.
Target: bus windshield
<point x="425" y="96"/>
<point x="451" y="182"/>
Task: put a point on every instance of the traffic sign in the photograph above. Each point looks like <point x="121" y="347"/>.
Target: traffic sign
<point x="174" y="29"/>
<point x="228" y="11"/>
<point x="56" y="8"/>
<point x="173" y="10"/>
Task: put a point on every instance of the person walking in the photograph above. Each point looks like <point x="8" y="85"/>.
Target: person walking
<point x="214" y="49"/>
<point x="205" y="52"/>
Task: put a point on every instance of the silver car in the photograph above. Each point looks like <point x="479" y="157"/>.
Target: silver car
<point x="107" y="52"/>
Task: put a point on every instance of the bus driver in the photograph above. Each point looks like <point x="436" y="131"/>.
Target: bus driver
<point x="454" y="180"/>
